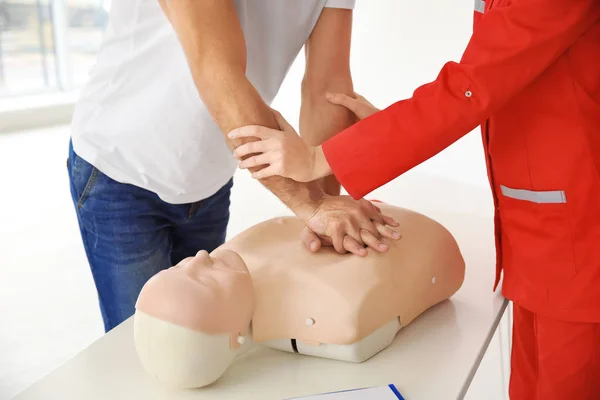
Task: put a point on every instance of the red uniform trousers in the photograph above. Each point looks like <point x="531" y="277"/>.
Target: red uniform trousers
<point x="554" y="359"/>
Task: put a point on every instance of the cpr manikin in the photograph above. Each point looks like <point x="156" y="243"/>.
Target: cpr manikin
<point x="265" y="288"/>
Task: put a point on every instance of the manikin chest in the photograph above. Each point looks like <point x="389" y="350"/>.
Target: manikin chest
<point x="341" y="299"/>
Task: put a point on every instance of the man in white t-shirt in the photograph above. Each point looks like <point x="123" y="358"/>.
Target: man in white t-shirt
<point x="150" y="163"/>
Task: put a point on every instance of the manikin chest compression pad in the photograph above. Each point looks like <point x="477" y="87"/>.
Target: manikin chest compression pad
<point x="345" y="297"/>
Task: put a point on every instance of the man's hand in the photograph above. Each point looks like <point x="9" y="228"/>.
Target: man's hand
<point x="283" y="151"/>
<point x="346" y="223"/>
<point x="360" y="106"/>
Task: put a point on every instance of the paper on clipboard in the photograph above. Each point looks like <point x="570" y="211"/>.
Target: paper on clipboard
<point x="376" y="393"/>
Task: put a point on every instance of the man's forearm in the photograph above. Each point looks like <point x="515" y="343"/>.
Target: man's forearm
<point x="327" y="70"/>
<point x="214" y="45"/>
<point x="321" y="120"/>
<point x="302" y="198"/>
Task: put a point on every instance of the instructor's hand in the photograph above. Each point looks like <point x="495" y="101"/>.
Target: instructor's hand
<point x="282" y="151"/>
<point x="360" y="106"/>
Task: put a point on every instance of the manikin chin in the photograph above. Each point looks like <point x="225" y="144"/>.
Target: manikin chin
<point x="263" y="288"/>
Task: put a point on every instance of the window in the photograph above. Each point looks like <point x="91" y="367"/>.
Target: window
<point x="48" y="45"/>
<point x="87" y="21"/>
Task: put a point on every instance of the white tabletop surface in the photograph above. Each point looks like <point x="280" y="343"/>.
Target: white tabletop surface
<point x="435" y="357"/>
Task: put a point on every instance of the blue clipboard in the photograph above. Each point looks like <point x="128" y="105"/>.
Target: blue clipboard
<point x="363" y="393"/>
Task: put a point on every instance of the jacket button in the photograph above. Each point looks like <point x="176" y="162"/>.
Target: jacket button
<point x="468" y="93"/>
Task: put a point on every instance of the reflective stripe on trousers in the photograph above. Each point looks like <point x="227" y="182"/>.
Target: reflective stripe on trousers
<point x="480" y="6"/>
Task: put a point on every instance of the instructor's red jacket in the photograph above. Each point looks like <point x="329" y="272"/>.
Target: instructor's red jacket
<point x="530" y="77"/>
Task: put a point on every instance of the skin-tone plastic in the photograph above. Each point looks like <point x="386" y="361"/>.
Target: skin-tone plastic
<point x="194" y="316"/>
<point x="209" y="294"/>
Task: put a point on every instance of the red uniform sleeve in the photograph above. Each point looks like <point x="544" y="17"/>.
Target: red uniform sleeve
<point x="511" y="46"/>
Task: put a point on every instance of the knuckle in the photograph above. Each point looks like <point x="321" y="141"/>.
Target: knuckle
<point x="249" y="130"/>
<point x="365" y="236"/>
<point x="253" y="130"/>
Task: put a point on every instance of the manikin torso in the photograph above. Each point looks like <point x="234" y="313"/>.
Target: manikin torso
<point x="265" y="287"/>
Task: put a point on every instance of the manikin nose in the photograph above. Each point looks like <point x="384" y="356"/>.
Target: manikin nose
<point x="202" y="259"/>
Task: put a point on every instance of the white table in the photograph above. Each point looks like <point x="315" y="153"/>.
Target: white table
<point x="435" y="357"/>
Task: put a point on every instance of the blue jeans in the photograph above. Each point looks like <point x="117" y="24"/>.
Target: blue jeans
<point x="130" y="234"/>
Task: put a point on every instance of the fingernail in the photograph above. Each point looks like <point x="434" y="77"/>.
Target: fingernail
<point x="362" y="252"/>
<point x="396" y="235"/>
<point x="382" y="246"/>
<point x="313" y="245"/>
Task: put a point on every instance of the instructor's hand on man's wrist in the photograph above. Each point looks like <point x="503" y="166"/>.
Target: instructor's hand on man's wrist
<point x="282" y="152"/>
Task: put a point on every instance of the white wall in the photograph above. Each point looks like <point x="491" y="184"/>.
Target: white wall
<point x="399" y="45"/>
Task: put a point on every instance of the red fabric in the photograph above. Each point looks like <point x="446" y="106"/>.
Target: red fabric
<point x="554" y="359"/>
<point x="530" y="77"/>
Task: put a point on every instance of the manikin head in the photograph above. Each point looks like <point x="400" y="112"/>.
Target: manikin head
<point x="191" y="318"/>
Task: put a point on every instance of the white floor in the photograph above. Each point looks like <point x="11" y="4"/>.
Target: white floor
<point x="48" y="309"/>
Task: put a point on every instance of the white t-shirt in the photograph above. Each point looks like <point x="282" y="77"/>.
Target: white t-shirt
<point x="140" y="119"/>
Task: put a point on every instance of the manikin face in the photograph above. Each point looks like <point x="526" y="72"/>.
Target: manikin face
<point x="209" y="294"/>
<point x="214" y="272"/>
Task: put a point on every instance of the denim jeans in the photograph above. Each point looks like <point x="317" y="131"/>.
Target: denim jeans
<point x="130" y="234"/>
